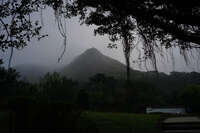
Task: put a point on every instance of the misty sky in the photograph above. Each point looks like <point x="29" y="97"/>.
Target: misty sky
<point x="80" y="38"/>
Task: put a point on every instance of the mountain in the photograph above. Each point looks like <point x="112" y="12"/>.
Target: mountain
<point x="31" y="72"/>
<point x="92" y="62"/>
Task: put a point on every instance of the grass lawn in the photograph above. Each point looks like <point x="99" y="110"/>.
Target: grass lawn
<point x="100" y="122"/>
<point x="118" y="123"/>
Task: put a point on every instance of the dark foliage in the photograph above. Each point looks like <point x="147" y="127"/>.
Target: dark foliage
<point x="33" y="108"/>
<point x="57" y="88"/>
<point x="157" y="23"/>
<point x="105" y="93"/>
<point x="8" y="82"/>
<point x="164" y="20"/>
<point x="56" y="103"/>
<point x="11" y="86"/>
<point x="16" y="23"/>
<point x="190" y="97"/>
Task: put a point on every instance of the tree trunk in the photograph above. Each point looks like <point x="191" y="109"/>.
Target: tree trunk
<point x="127" y="69"/>
<point x="127" y="51"/>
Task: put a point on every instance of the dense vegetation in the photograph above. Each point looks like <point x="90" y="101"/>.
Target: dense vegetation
<point x="56" y="102"/>
<point x="106" y="93"/>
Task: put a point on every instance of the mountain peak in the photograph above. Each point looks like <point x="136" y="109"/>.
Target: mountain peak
<point x="92" y="51"/>
<point x="91" y="62"/>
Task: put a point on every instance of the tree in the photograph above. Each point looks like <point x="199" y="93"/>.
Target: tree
<point x="190" y="97"/>
<point x="17" y="25"/>
<point x="143" y="95"/>
<point x="56" y="87"/>
<point x="8" y="82"/>
<point x="174" y="18"/>
<point x="118" y="26"/>
<point x="101" y="89"/>
<point x="11" y="85"/>
<point x="170" y="23"/>
<point x="158" y="23"/>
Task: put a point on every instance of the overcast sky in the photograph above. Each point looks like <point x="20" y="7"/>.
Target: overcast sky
<point x="79" y="39"/>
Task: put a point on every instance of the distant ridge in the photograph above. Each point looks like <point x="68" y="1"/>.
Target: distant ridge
<point x="31" y="72"/>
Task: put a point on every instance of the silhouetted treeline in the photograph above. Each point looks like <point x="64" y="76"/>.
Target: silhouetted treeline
<point x="105" y="93"/>
<point x="56" y="102"/>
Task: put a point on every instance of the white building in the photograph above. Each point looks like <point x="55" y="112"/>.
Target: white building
<point x="166" y="110"/>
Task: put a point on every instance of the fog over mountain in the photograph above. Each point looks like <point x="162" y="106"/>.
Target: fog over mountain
<point x="87" y="64"/>
<point x="32" y="72"/>
<point x="92" y="62"/>
<point x="80" y="38"/>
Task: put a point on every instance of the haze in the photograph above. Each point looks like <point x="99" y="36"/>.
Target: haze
<point x="80" y="38"/>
